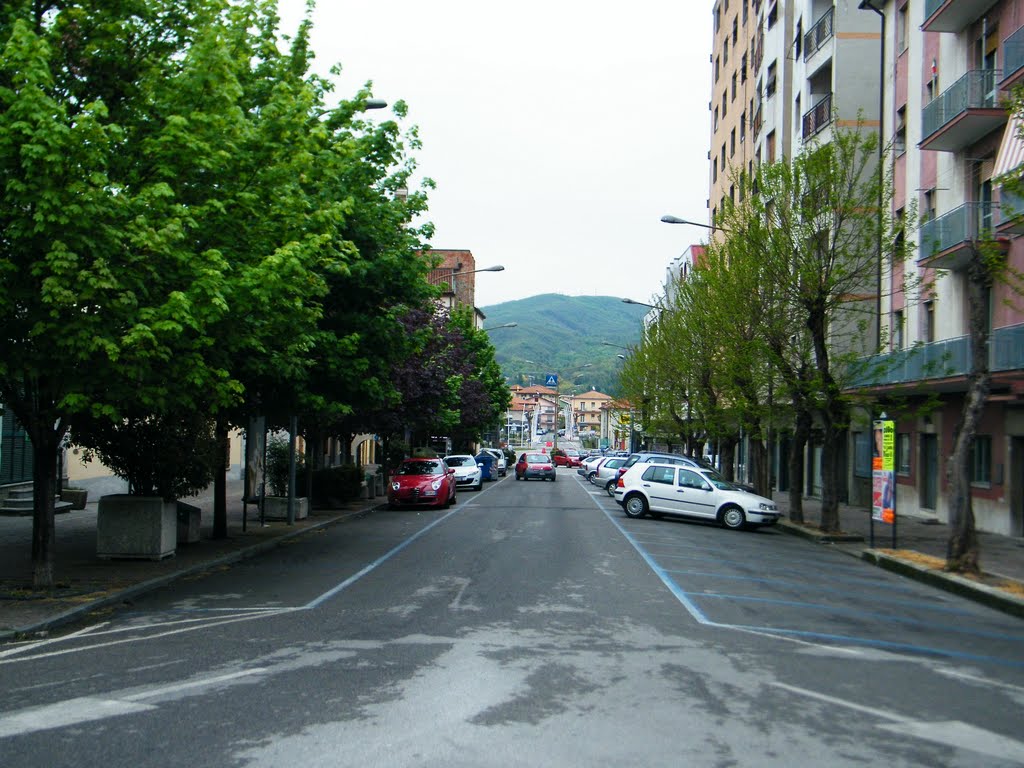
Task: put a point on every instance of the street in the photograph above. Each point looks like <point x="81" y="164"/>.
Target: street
<point x="530" y="624"/>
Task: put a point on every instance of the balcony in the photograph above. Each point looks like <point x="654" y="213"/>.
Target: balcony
<point x="953" y="15"/>
<point x="950" y="358"/>
<point x="1013" y="60"/>
<point x="947" y="241"/>
<point x="818" y="35"/>
<point x="817" y="118"/>
<point x="963" y="113"/>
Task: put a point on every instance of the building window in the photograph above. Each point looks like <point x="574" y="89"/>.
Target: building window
<point x="799" y="116"/>
<point x="900" y="138"/>
<point x="981" y="460"/>
<point x="798" y="38"/>
<point x="901" y="29"/>
<point x="769" y="145"/>
<point x="897" y="329"/>
<point x="903" y="453"/>
<point x="716" y="69"/>
<point x="725" y="52"/>
<point x="735" y="31"/>
<point x="714" y="170"/>
<point x="716" y="118"/>
<point x="732" y="142"/>
<point x="733" y="86"/>
<point x="718" y="19"/>
<point x="929" y="322"/>
<point x="724" y="107"/>
<point x="743" y="127"/>
<point x="743" y="69"/>
<point x="928" y="208"/>
<point x="769" y="87"/>
<point x="773" y="14"/>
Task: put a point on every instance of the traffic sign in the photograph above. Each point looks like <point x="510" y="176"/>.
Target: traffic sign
<point x="551" y="380"/>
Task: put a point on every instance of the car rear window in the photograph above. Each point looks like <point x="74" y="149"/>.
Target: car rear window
<point x="460" y="461"/>
<point x="537" y="458"/>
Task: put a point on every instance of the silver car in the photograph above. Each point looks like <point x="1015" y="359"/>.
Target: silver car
<point x="671" y="489"/>
<point x="607" y="474"/>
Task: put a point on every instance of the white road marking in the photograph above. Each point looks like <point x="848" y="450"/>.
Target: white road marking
<point x="40" y="643"/>
<point x="951" y="733"/>
<point x="91" y="708"/>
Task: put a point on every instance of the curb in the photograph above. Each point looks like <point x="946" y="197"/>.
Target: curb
<point x="152" y="584"/>
<point x="813" y="534"/>
<point x="950" y="582"/>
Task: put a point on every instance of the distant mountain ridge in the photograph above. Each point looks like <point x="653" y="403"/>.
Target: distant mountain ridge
<point x="563" y="335"/>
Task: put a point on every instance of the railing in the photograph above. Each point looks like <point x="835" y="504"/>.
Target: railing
<point x="941" y="359"/>
<point x="958" y="226"/>
<point x="819" y="34"/>
<point x="817" y="117"/>
<point x="975" y="90"/>
<point x="931" y="6"/>
<point x="1013" y="53"/>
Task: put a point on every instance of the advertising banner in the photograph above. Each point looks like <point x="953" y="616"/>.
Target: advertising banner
<point x="883" y="471"/>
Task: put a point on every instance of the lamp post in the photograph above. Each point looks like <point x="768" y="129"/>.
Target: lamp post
<point x="457" y="270"/>
<point x="641" y="304"/>
<point x="670" y="219"/>
<point x="503" y="325"/>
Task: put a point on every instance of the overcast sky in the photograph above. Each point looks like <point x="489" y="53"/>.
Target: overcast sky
<point x="558" y="131"/>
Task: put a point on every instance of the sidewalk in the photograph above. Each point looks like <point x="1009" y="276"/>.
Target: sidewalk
<point x="1001" y="557"/>
<point x="86" y="583"/>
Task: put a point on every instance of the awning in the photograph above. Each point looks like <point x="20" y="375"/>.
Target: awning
<point x="1011" y="151"/>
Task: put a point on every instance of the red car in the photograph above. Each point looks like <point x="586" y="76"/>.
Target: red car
<point x="570" y="457"/>
<point x="422" y="482"/>
<point x="535" y="465"/>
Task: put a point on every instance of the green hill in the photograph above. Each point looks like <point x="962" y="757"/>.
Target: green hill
<point x="563" y="335"/>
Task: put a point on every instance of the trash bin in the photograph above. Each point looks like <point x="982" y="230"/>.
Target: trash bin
<point x="486" y="463"/>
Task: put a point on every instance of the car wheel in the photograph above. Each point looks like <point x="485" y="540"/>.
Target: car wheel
<point x="554" y="477"/>
<point x="479" y="486"/>
<point x="590" y="477"/>
<point x="635" y="505"/>
<point x="733" y="518"/>
<point x="609" y="488"/>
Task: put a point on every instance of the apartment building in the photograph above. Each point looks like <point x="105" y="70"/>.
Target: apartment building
<point x="950" y="64"/>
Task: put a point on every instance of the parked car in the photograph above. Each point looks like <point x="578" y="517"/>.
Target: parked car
<point x="422" y="482"/>
<point x="535" y="465"/>
<point x="678" y="458"/>
<point x="673" y="489"/>
<point x="589" y="465"/>
<point x="607" y="474"/>
<point x="500" y="463"/>
<point x="565" y="457"/>
<point x="467" y="472"/>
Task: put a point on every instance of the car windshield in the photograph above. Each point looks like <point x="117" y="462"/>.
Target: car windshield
<point x="718" y="481"/>
<point x="536" y="458"/>
<point x="420" y="468"/>
<point x="460" y="461"/>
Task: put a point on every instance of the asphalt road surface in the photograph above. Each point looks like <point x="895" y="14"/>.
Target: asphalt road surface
<point x="530" y="625"/>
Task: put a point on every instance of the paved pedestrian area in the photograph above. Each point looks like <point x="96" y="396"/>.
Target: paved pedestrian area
<point x="86" y="583"/>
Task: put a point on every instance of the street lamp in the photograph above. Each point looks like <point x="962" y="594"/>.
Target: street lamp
<point x="669" y="219"/>
<point x="503" y="325"/>
<point x="458" y="271"/>
<point x="642" y="304"/>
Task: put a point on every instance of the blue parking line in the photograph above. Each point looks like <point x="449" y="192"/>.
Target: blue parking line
<point x="857" y="613"/>
<point x="821" y="588"/>
<point x="684" y="597"/>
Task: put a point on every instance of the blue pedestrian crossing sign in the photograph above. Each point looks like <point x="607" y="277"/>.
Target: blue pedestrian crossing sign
<point x="551" y="380"/>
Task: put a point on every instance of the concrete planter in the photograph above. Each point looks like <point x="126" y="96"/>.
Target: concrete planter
<point x="137" y="527"/>
<point x="276" y="508"/>
<point x="77" y="497"/>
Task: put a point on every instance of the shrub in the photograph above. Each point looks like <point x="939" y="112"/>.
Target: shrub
<point x="277" y="466"/>
<point x="337" y="484"/>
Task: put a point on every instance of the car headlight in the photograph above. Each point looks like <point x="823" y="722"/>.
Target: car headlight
<point x="764" y="506"/>
<point x="436" y="485"/>
<point x="395" y="486"/>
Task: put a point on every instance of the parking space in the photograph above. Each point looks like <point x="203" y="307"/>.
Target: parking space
<point x="766" y="581"/>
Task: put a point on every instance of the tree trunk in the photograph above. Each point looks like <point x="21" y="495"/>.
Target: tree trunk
<point x="728" y="457"/>
<point x="962" y="551"/>
<point x="830" y="466"/>
<point x="220" y="481"/>
<point x="45" y="443"/>
<point x="801" y="434"/>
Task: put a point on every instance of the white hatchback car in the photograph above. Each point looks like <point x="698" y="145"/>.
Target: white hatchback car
<point x="671" y="489"/>
<point x="467" y="472"/>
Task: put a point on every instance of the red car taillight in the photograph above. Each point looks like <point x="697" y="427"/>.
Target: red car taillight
<point x="620" y="484"/>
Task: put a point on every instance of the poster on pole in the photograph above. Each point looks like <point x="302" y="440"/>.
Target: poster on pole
<point x="883" y="471"/>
